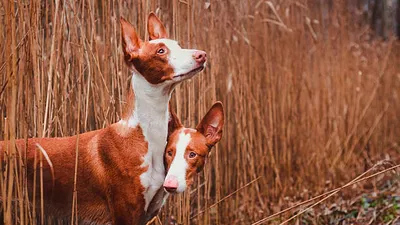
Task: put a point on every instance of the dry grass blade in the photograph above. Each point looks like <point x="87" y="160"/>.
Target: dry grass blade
<point x="51" y="65"/>
<point x="226" y="197"/>
<point x="279" y="22"/>
<point x="48" y="160"/>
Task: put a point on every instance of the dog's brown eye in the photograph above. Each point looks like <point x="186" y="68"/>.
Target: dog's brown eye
<point x="192" y="155"/>
<point x="161" y="51"/>
<point x="169" y="153"/>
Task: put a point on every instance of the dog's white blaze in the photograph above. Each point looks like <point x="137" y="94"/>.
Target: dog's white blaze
<point x="179" y="165"/>
<point x="182" y="60"/>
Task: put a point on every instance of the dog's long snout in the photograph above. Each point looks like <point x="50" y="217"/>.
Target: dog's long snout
<point x="200" y="56"/>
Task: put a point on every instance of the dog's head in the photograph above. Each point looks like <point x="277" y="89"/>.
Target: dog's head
<point x="159" y="60"/>
<point x="187" y="149"/>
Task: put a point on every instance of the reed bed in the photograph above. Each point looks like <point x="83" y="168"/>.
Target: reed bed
<point x="311" y="95"/>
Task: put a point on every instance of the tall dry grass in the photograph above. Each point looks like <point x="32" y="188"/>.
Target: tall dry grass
<point x="311" y="97"/>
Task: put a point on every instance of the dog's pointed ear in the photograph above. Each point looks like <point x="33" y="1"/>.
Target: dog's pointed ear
<point x="174" y="122"/>
<point x="155" y="28"/>
<point x="212" y="123"/>
<point x="130" y="40"/>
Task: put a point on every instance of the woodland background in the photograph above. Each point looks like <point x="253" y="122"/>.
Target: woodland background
<point x="310" y="88"/>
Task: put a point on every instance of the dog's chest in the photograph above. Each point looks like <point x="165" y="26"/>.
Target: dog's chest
<point x="151" y="115"/>
<point x="153" y="178"/>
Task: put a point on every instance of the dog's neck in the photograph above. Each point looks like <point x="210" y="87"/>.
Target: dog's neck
<point x="147" y="108"/>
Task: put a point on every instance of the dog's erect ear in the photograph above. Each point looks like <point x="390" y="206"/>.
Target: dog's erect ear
<point x="212" y="123"/>
<point x="130" y="40"/>
<point x="174" y="123"/>
<point x="155" y="28"/>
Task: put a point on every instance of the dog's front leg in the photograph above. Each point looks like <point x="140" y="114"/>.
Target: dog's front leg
<point x="126" y="209"/>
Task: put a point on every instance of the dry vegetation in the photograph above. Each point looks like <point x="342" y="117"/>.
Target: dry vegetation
<point x="311" y="97"/>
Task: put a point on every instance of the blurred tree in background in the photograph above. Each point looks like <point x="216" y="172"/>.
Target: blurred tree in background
<point x="382" y="15"/>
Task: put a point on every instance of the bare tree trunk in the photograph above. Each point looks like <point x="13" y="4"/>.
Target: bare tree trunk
<point x="385" y="18"/>
<point x="397" y="19"/>
<point x="382" y="15"/>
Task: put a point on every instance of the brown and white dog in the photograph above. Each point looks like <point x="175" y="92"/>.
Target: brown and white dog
<point x="187" y="149"/>
<point x="187" y="152"/>
<point x="120" y="167"/>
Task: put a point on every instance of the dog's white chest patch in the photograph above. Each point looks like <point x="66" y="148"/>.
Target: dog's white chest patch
<point x="153" y="178"/>
<point x="155" y="133"/>
<point x="151" y="114"/>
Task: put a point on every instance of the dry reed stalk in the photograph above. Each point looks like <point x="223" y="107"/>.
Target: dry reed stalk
<point x="21" y="173"/>
<point x="34" y="218"/>
<point x="42" y="218"/>
<point x="11" y="112"/>
<point x="74" y="216"/>
<point x="4" y="179"/>
<point x="226" y="197"/>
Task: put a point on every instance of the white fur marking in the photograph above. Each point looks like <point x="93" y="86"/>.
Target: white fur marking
<point x="151" y="113"/>
<point x="179" y="165"/>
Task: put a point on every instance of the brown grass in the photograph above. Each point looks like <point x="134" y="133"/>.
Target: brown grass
<point x="311" y="100"/>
